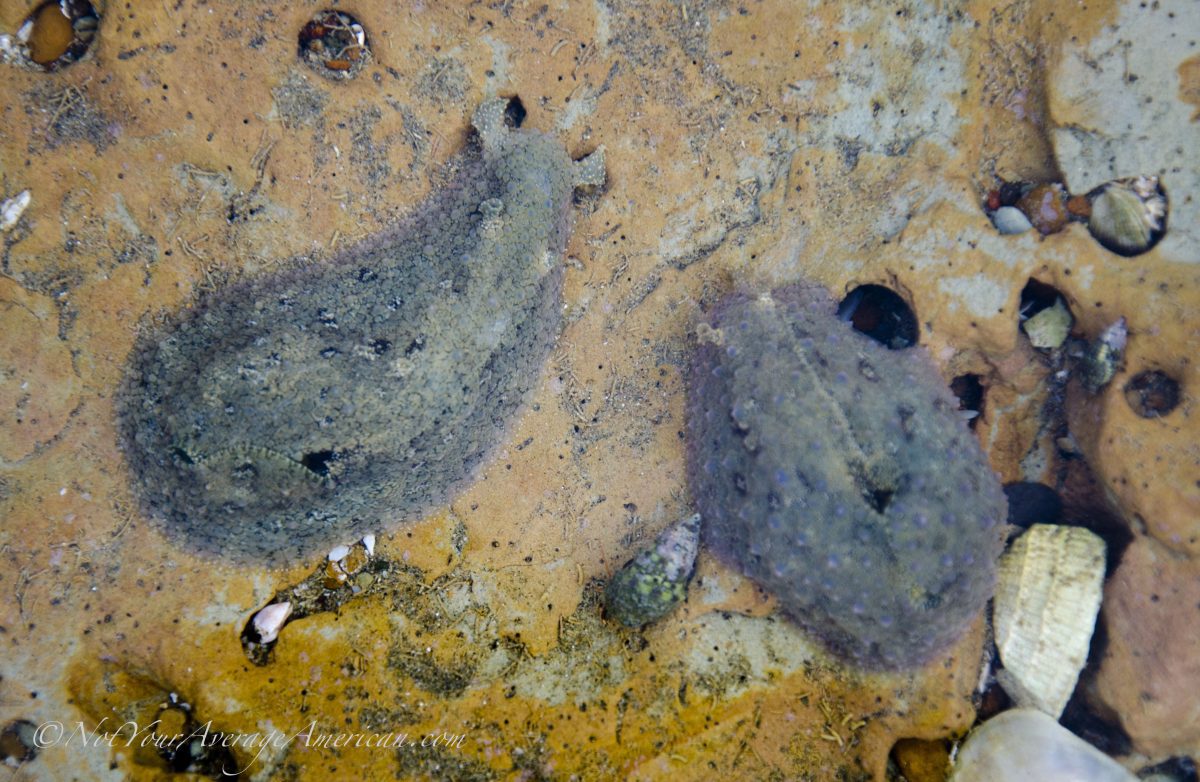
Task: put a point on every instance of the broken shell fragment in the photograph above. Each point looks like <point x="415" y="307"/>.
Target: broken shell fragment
<point x="1129" y="216"/>
<point x="656" y="580"/>
<point x="1049" y="328"/>
<point x="12" y="209"/>
<point x="1048" y="593"/>
<point x="270" y="620"/>
<point x="1022" y="745"/>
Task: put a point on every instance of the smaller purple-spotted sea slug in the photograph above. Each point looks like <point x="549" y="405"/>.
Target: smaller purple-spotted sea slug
<point x="840" y="476"/>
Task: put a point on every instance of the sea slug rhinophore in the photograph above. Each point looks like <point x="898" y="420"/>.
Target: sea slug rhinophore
<point x="289" y="412"/>
<point x="840" y="476"/>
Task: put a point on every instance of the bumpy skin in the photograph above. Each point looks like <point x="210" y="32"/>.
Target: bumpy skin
<point x="290" y="412"/>
<point x="839" y="475"/>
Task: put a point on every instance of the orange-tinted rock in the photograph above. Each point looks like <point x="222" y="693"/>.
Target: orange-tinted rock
<point x="38" y="385"/>
<point x="1046" y="207"/>
<point x="1150" y="672"/>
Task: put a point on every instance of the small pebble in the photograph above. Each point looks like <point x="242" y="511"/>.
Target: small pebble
<point x="1010" y="220"/>
<point x="1046" y="207"/>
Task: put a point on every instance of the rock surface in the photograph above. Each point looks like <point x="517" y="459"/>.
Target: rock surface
<point x="1150" y="672"/>
<point x="1124" y="103"/>
<point x="839" y="141"/>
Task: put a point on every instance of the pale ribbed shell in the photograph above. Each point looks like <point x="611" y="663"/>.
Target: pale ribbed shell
<point x="1047" y="596"/>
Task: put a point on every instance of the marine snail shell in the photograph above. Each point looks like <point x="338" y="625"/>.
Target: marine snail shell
<point x="1047" y="595"/>
<point x="1129" y="215"/>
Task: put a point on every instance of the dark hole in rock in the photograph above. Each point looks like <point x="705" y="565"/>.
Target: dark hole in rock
<point x="1152" y="394"/>
<point x="514" y="112"/>
<point x="58" y="32"/>
<point x="1009" y="193"/>
<point x="1032" y="503"/>
<point x="334" y="44"/>
<point x="1093" y="722"/>
<point x="1085" y="504"/>
<point x="969" y="390"/>
<point x="1177" y="769"/>
<point x="881" y="314"/>
<point x="317" y="462"/>
<point x="17" y="742"/>
<point x="1037" y="296"/>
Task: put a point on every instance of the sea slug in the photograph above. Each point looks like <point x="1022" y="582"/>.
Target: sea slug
<point x="289" y="412"/>
<point x="840" y="476"/>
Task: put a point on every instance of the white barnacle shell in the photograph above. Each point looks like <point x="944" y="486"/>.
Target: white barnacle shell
<point x="1047" y="596"/>
<point x="270" y="620"/>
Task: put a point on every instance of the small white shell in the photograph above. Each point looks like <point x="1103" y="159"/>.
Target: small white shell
<point x="1010" y="220"/>
<point x="338" y="553"/>
<point x="1047" y="595"/>
<point x="270" y="620"/>
<point x="369" y="542"/>
<point x="12" y="209"/>
<point x="1023" y="745"/>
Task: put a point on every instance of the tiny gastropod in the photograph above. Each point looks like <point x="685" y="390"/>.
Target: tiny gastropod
<point x="656" y="579"/>
<point x="1129" y="216"/>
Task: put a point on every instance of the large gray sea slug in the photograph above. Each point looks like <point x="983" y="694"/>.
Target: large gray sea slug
<point x="840" y="476"/>
<point x="289" y="412"/>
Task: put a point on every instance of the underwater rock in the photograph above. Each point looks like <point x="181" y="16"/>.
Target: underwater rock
<point x="1045" y="206"/>
<point x="648" y="586"/>
<point x="1150" y="672"/>
<point x="289" y="412"/>
<point x="840" y="476"/>
<point x="1025" y="745"/>
<point x="1047" y="597"/>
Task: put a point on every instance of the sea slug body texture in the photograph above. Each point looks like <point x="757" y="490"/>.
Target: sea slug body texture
<point x="840" y="476"/>
<point x="289" y="412"/>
